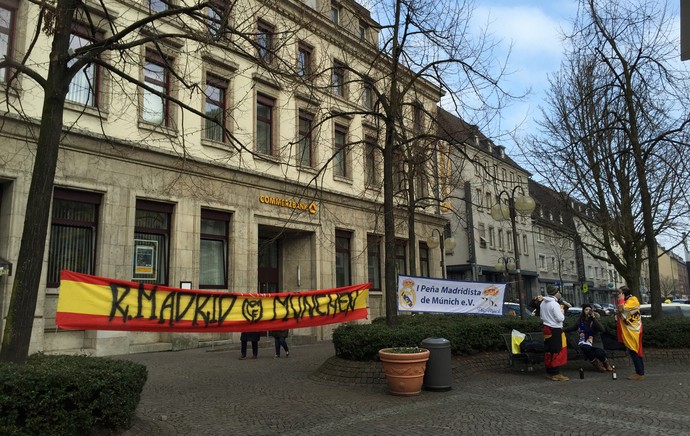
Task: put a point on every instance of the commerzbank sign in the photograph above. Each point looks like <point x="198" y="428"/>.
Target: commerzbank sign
<point x="290" y="204"/>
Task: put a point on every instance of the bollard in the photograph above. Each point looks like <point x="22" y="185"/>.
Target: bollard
<point x="439" y="372"/>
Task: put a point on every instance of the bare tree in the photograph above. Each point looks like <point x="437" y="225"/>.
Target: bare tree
<point x="426" y="42"/>
<point x="424" y="52"/>
<point x="614" y="133"/>
<point x="199" y="24"/>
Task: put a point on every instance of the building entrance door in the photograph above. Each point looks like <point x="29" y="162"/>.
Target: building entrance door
<point x="269" y="272"/>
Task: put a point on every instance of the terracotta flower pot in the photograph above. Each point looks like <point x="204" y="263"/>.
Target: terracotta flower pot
<point x="404" y="370"/>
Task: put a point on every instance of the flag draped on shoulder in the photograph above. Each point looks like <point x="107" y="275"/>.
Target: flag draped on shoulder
<point x="96" y="303"/>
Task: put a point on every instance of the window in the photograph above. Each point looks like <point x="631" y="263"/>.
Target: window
<point x="335" y="14"/>
<point x="417" y="117"/>
<point x="509" y="239"/>
<point x="73" y="232"/>
<point x="362" y="31"/>
<point x="213" y="258"/>
<point x="370" y="161"/>
<point x="421" y="182"/>
<point x="492" y="239"/>
<point x="400" y="257"/>
<point x="340" y="158"/>
<point x="542" y="262"/>
<point x="540" y="234"/>
<point x="500" y="238"/>
<point x="368" y="96"/>
<point x="7" y="29"/>
<point x="304" y="60"/>
<point x="215" y="17"/>
<point x="304" y="149"/>
<point x="572" y="267"/>
<point x="216" y="91"/>
<point x="156" y="6"/>
<point x="264" y="41"/>
<point x="374" y="262"/>
<point x="338" y="79"/>
<point x="488" y="200"/>
<point x="525" y="248"/>
<point x="83" y="88"/>
<point x="264" y="124"/>
<point x="482" y="236"/>
<point x="424" y="260"/>
<point x="398" y="170"/>
<point x="342" y="258"/>
<point x="151" y="242"/>
<point x="157" y="76"/>
<point x="480" y="198"/>
<point x="553" y="264"/>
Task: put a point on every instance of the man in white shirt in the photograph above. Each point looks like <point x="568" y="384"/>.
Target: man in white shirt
<point x="555" y="345"/>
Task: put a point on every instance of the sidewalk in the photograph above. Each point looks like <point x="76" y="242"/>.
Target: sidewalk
<point x="208" y="392"/>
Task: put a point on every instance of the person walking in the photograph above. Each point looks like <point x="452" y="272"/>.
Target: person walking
<point x="252" y="337"/>
<point x="555" y="345"/>
<point x="588" y="326"/>
<point x="280" y="337"/>
<point x="629" y="329"/>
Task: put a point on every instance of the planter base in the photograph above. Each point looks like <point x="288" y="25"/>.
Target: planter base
<point x="404" y="371"/>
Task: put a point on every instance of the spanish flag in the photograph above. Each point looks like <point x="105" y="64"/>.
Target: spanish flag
<point x="95" y="303"/>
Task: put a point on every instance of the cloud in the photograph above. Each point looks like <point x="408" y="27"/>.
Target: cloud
<point x="535" y="36"/>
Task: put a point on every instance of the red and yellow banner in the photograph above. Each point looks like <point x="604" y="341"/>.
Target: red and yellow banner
<point x="95" y="303"/>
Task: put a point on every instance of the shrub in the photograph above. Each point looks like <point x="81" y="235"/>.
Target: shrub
<point x="68" y="395"/>
<point x="469" y="334"/>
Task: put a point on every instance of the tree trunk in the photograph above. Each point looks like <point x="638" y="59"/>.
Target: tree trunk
<point x="388" y="188"/>
<point x="20" y="317"/>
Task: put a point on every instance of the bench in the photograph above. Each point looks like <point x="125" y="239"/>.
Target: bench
<point x="613" y="349"/>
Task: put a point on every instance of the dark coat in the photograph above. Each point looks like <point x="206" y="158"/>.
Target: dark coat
<point x="250" y="336"/>
<point x="279" y="333"/>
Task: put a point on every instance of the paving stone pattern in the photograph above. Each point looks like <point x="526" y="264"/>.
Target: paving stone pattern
<point x="204" y="392"/>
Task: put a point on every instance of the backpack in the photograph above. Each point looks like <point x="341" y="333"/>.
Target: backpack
<point x="532" y="346"/>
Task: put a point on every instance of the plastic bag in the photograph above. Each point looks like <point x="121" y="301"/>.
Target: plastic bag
<point x="516" y="339"/>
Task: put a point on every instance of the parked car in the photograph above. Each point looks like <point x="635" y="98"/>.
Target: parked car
<point x="601" y="310"/>
<point x="611" y="307"/>
<point x="668" y="309"/>
<point x="507" y="307"/>
<point x="680" y="301"/>
<point x="573" y="311"/>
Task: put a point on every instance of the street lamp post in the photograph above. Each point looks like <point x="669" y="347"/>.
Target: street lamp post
<point x="505" y="265"/>
<point x="523" y="205"/>
<point x="445" y="244"/>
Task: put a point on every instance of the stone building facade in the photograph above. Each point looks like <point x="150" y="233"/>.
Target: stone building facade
<point x="281" y="193"/>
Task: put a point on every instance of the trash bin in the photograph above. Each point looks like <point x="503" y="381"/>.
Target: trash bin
<point x="439" y="372"/>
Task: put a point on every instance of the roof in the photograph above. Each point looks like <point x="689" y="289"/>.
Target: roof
<point x="455" y="130"/>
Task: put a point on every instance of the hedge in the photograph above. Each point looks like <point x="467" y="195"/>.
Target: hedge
<point x="69" y="395"/>
<point x="472" y="334"/>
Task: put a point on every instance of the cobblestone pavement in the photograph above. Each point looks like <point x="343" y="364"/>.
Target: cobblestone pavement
<point x="204" y="392"/>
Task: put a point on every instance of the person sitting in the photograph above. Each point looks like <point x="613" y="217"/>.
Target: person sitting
<point x="588" y="326"/>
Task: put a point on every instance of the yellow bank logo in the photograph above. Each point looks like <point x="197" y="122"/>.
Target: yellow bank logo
<point x="290" y="204"/>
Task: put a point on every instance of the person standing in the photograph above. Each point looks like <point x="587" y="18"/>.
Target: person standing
<point x="252" y="337"/>
<point x="629" y="328"/>
<point x="280" y="337"/>
<point x="555" y="344"/>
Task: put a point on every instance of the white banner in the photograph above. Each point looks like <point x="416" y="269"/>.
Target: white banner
<point x="423" y="294"/>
